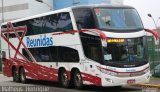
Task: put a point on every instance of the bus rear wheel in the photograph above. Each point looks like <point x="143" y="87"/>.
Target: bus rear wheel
<point x="15" y="75"/>
<point x="63" y="78"/>
<point x="77" y="79"/>
<point x="22" y="75"/>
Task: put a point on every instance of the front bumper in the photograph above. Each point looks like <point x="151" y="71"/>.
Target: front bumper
<point x="108" y="80"/>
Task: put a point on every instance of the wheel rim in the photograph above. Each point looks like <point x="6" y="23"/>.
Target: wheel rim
<point x="65" y="78"/>
<point x="14" y="75"/>
<point x="78" y="79"/>
<point x="22" y="76"/>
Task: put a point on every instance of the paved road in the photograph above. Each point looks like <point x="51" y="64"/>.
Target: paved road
<point x="45" y="86"/>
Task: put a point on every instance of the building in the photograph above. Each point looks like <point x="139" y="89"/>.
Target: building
<point x="14" y="9"/>
<point x="58" y="4"/>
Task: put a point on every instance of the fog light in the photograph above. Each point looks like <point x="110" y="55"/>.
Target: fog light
<point x="109" y="80"/>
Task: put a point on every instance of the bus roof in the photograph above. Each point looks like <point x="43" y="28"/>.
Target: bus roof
<point x="69" y="9"/>
<point x="39" y="15"/>
<point x="101" y="6"/>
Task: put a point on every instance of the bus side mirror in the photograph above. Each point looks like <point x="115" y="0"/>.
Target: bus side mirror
<point x="4" y="56"/>
<point x="155" y="35"/>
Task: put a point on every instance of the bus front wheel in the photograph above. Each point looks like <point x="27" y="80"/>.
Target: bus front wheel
<point x="77" y="79"/>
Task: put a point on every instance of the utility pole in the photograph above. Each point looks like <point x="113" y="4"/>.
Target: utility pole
<point x="2" y="12"/>
<point x="149" y="15"/>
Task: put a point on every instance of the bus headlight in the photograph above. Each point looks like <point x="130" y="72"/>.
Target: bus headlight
<point x="109" y="80"/>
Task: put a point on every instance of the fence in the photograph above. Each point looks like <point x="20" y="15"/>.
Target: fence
<point x="154" y="56"/>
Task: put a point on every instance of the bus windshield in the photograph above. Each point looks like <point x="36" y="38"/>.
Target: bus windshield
<point x="129" y="52"/>
<point x="118" y="19"/>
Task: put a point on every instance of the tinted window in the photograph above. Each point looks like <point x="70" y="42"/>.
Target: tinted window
<point x="53" y="54"/>
<point x="67" y="54"/>
<point x="40" y="54"/>
<point x="12" y="35"/>
<point x="84" y="18"/>
<point x="118" y="19"/>
<point x="51" y="23"/>
<point x="126" y="52"/>
<point x="26" y="54"/>
<point x="92" y="46"/>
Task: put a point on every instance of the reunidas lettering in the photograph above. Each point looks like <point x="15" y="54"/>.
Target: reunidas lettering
<point x="38" y="42"/>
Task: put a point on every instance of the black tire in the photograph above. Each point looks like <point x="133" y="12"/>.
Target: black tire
<point x="63" y="78"/>
<point x="22" y="75"/>
<point x="15" y="75"/>
<point x="77" y="80"/>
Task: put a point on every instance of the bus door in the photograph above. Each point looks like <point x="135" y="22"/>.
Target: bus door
<point x="96" y="55"/>
<point x="93" y="52"/>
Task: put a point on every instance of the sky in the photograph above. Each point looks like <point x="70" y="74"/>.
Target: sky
<point x="144" y="7"/>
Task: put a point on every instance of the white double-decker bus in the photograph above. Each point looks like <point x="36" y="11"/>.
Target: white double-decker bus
<point x="84" y="45"/>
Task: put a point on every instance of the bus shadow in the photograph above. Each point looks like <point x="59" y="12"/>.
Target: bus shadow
<point x="111" y="89"/>
<point x="43" y="83"/>
<point x="52" y="84"/>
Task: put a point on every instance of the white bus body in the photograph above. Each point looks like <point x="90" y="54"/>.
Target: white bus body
<point x="83" y="45"/>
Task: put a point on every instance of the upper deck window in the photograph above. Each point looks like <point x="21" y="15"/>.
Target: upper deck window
<point x="59" y="22"/>
<point x="118" y="19"/>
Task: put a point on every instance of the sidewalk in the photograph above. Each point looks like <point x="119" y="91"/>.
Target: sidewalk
<point x="154" y="83"/>
<point x="1" y="75"/>
<point x="155" y="80"/>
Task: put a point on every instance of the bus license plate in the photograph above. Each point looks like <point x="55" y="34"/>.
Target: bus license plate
<point x="131" y="81"/>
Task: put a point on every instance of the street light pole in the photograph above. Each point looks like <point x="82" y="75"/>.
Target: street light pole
<point x="41" y="1"/>
<point x="2" y="12"/>
<point x="149" y="15"/>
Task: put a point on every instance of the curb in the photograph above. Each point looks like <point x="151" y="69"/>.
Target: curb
<point x="1" y="75"/>
<point x="148" y="85"/>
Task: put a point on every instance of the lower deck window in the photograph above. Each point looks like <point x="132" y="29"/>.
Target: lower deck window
<point x="53" y="54"/>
